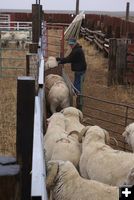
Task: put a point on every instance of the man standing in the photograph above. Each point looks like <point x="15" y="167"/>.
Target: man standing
<point x="78" y="63"/>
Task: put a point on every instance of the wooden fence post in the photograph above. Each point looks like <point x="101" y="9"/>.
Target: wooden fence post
<point x="112" y="62"/>
<point x="121" y="54"/>
<point x="117" y="61"/>
<point x="24" y="138"/>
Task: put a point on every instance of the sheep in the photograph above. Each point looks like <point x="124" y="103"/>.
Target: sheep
<point x="73" y="119"/>
<point x="57" y="92"/>
<point x="128" y="134"/>
<point x="55" y="131"/>
<point x="58" y="96"/>
<point x="66" y="183"/>
<point x="6" y="37"/>
<point x="51" y="63"/>
<point x="71" y="147"/>
<point x="99" y="161"/>
<point x="21" y="38"/>
<point x="51" y="79"/>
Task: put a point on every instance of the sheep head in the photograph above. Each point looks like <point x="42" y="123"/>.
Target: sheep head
<point x="129" y="130"/>
<point x="72" y="111"/>
<point x="95" y="133"/>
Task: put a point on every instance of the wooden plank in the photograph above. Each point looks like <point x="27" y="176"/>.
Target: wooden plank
<point x="24" y="138"/>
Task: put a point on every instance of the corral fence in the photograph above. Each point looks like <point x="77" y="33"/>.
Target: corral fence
<point x="15" y="38"/>
<point x="30" y="177"/>
<point x="113" y="117"/>
<point x="120" y="52"/>
<point x="26" y="179"/>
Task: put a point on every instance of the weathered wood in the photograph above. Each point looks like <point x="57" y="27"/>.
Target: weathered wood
<point x="36" y="22"/>
<point x="33" y="47"/>
<point x="24" y="138"/>
<point x="112" y="62"/>
<point x="121" y="60"/>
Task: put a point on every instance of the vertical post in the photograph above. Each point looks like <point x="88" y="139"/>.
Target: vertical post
<point x="77" y="7"/>
<point x="121" y="54"/>
<point x="0" y="56"/>
<point x="36" y="22"/>
<point x="24" y="138"/>
<point x="62" y="43"/>
<point x="27" y="65"/>
<point x="36" y="26"/>
<point x="127" y="17"/>
<point x="112" y="62"/>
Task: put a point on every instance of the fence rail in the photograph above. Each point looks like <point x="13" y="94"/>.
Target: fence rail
<point x="113" y="117"/>
<point x="120" y="52"/>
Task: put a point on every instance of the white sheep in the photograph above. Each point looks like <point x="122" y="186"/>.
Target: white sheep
<point x="51" y="62"/>
<point x="73" y="119"/>
<point x="100" y="162"/>
<point x="66" y="183"/>
<point x="50" y="80"/>
<point x="58" y="96"/>
<point x="57" y="92"/>
<point x="55" y="131"/>
<point x="67" y="148"/>
<point x="128" y="134"/>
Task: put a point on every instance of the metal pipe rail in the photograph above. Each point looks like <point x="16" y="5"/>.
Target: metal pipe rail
<point x="113" y="117"/>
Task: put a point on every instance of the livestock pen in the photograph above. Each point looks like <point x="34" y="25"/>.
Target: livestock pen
<point x="30" y="91"/>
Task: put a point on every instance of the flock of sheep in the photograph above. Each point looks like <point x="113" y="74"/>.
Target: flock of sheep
<point x="14" y="37"/>
<point x="81" y="165"/>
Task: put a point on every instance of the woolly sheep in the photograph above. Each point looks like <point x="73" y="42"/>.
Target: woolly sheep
<point x="128" y="134"/>
<point x="58" y="96"/>
<point x="51" y="63"/>
<point x="66" y="183"/>
<point x="50" y="80"/>
<point x="55" y="131"/>
<point x="73" y="119"/>
<point x="67" y="148"/>
<point x="99" y="161"/>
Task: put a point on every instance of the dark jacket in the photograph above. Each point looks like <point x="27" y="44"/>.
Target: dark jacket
<point x="76" y="58"/>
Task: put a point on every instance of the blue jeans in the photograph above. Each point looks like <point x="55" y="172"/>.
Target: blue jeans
<point x="78" y="80"/>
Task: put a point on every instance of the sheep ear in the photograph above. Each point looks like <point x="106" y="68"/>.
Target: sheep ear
<point x="51" y="174"/>
<point x="107" y="138"/>
<point x="83" y="133"/>
<point x="125" y="133"/>
<point x="74" y="133"/>
<point x="80" y="115"/>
